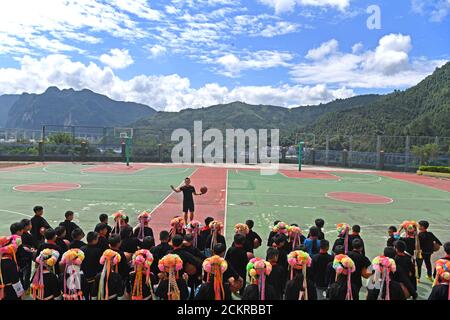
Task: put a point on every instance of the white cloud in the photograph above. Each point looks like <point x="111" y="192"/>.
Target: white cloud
<point x="138" y="7"/>
<point x="388" y="66"/>
<point x="280" y="28"/>
<point x="117" y="59"/>
<point x="437" y="10"/>
<point x="157" y="50"/>
<point x="324" y="50"/>
<point x="232" y="65"/>
<point x="170" y="92"/>
<point x="282" y="6"/>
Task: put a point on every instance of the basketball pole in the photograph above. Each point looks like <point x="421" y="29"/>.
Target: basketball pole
<point x="300" y="155"/>
<point x="127" y="150"/>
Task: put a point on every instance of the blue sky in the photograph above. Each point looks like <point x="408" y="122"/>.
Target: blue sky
<point x="176" y="54"/>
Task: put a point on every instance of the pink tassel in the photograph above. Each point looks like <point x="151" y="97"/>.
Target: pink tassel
<point x="349" y="286"/>
<point x="388" y="280"/>
<point x="346" y="241"/>
<point x="263" y="287"/>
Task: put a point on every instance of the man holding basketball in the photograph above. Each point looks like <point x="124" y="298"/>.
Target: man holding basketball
<point x="188" y="199"/>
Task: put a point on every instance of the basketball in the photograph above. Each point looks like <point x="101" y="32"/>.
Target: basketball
<point x="203" y="189"/>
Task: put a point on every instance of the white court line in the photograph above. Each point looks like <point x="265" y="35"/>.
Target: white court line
<point x="327" y="195"/>
<point x="226" y="206"/>
<point x="15" y="212"/>
<point x="170" y="194"/>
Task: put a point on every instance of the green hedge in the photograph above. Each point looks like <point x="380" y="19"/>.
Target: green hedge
<point x="435" y="169"/>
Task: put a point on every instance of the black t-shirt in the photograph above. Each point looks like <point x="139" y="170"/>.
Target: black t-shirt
<point x="102" y="244"/>
<point x="220" y="239"/>
<point x="188" y="258"/>
<point x="237" y="258"/>
<point x="293" y="287"/>
<point x="51" y="285"/>
<point x="188" y="192"/>
<point x="439" y="292"/>
<point x="62" y="245"/>
<point x="319" y="269"/>
<point x="163" y="289"/>
<point x="158" y="252"/>
<point x="202" y="237"/>
<point x="27" y="239"/>
<point x="148" y="232"/>
<point x="77" y="244"/>
<point x="91" y="264"/>
<point x="10" y="276"/>
<point x="130" y="245"/>
<point x="250" y="240"/>
<point x="338" y="289"/>
<point x="361" y="262"/>
<point x="115" y="286"/>
<point x="206" y="291"/>
<point x="427" y="240"/>
<point x="339" y="242"/>
<point x="38" y="222"/>
<point x="277" y="279"/>
<point x="410" y="244"/>
<point x="350" y="242"/>
<point x="70" y="226"/>
<point x="251" y="292"/>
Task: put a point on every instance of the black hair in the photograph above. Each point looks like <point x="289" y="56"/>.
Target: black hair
<point x="25" y="222"/>
<point x="250" y="224"/>
<point x="114" y="240"/>
<point x="68" y="214"/>
<point x="400" y="245"/>
<point x="177" y="240"/>
<point x="356" y="228"/>
<point x="126" y="232"/>
<point x="239" y="239"/>
<point x="276" y="222"/>
<point x="208" y="220"/>
<point x="188" y="237"/>
<point x="272" y="253"/>
<point x="101" y="226"/>
<point x="219" y="248"/>
<point x="279" y="238"/>
<point x="76" y="233"/>
<point x="314" y="232"/>
<point x="357" y="244"/>
<point x="16" y="227"/>
<point x="389" y="252"/>
<point x="50" y="234"/>
<point x="103" y="217"/>
<point x="126" y="219"/>
<point x="148" y="243"/>
<point x="319" y="223"/>
<point x="164" y="235"/>
<point x="393" y="228"/>
<point x="424" y="223"/>
<point x="60" y="230"/>
<point x="324" y="244"/>
<point x="91" y="236"/>
<point x="447" y="247"/>
<point x="36" y="209"/>
<point x="339" y="249"/>
<point x="294" y="224"/>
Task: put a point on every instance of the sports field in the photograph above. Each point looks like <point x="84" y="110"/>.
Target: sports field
<point x="374" y="200"/>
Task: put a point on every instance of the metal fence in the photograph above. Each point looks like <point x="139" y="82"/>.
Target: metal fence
<point x="81" y="143"/>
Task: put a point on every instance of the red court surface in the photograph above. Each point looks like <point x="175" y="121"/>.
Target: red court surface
<point x="47" y="187"/>
<point x="213" y="203"/>
<point x="436" y="183"/>
<point x="320" y="175"/>
<point x="355" y="197"/>
<point x="12" y="167"/>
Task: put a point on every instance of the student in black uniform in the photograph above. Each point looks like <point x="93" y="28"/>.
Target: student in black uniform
<point x="214" y="237"/>
<point x="204" y="233"/>
<point x="148" y="243"/>
<point x="258" y="269"/>
<point x="400" y="276"/>
<point x="104" y="219"/>
<point x="215" y="288"/>
<point x="272" y="234"/>
<point x="69" y="225"/>
<point x="253" y="238"/>
<point x="91" y="264"/>
<point x="188" y="199"/>
<point x="108" y="283"/>
<point x="392" y="231"/>
<point x="441" y="288"/>
<point x="356" y="230"/>
<point x="331" y="272"/>
<point x="319" y="223"/>
<point x="278" y="277"/>
<point x="129" y="244"/>
<point x="300" y="286"/>
<point x="279" y="242"/>
<point x="143" y="229"/>
<point x="342" y="288"/>
<point x="362" y="263"/>
<point x="319" y="266"/>
<point x="45" y="285"/>
<point x="237" y="257"/>
<point x="141" y="278"/>
<point x="428" y="241"/>
<point x="102" y="230"/>
<point x="189" y="247"/>
<point x="230" y="276"/>
<point x="77" y="239"/>
<point x="61" y="241"/>
<point x="173" y="282"/>
<point x="10" y="284"/>
<point x="160" y="250"/>
<point x="38" y="226"/>
<point x="123" y="267"/>
<point x="72" y="282"/>
<point x="50" y="243"/>
<point x="383" y="286"/>
<point x="405" y="263"/>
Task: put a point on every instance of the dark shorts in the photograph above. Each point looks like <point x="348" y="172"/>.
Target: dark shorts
<point x="188" y="206"/>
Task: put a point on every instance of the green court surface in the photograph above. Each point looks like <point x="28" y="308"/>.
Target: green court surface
<point x="249" y="195"/>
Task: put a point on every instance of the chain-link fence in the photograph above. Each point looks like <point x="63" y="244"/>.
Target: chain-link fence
<point x="81" y="143"/>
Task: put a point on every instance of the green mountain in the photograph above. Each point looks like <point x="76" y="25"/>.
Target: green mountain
<point x="73" y="108"/>
<point x="6" y="102"/>
<point x="423" y="110"/>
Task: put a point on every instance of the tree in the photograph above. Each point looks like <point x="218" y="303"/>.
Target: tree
<point x="426" y="153"/>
